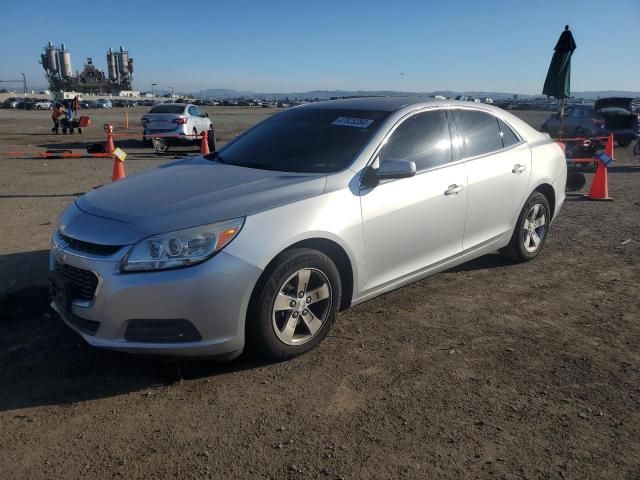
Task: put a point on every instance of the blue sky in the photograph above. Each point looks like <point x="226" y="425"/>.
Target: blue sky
<point x="284" y="46"/>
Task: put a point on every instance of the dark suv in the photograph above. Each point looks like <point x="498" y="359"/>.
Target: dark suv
<point x="607" y="115"/>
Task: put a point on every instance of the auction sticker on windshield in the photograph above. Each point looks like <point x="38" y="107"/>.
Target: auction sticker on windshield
<point x="352" y="122"/>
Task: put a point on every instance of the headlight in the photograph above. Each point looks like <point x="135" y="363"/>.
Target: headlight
<point x="180" y="248"/>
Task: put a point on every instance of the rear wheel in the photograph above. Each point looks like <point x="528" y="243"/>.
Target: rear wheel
<point x="211" y="138"/>
<point x="530" y="232"/>
<point x="623" y="143"/>
<point x="294" y="305"/>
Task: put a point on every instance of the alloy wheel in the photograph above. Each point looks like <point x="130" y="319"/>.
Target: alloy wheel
<point x="534" y="228"/>
<point x="302" y="306"/>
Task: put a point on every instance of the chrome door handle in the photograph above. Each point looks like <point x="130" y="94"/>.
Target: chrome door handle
<point x="517" y="168"/>
<point x="453" y="189"/>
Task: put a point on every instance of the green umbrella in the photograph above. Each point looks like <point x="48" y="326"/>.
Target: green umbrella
<point x="558" y="81"/>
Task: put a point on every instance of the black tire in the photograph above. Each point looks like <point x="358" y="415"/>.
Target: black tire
<point x="146" y="140"/>
<point x="623" y="143"/>
<point x="261" y="332"/>
<point x="195" y="135"/>
<point x="517" y="250"/>
<point x="636" y="149"/>
<point x="211" y="139"/>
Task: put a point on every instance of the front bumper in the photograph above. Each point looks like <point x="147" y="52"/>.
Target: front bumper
<point x="213" y="296"/>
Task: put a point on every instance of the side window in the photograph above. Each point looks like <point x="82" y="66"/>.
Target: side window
<point x="423" y="138"/>
<point x="508" y="137"/>
<point x="578" y="112"/>
<point x="193" y="111"/>
<point x="480" y="132"/>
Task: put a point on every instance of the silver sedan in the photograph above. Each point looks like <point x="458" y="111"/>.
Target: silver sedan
<point x="176" y="121"/>
<point x="313" y="210"/>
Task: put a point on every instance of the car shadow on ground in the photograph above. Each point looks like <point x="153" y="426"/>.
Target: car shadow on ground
<point x="43" y="362"/>
<point x="136" y="149"/>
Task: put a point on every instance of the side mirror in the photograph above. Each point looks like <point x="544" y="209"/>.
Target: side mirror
<point x="391" y="168"/>
<point x="205" y="115"/>
<point x="396" y="168"/>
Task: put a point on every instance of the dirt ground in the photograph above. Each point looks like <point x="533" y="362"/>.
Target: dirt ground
<point x="489" y="370"/>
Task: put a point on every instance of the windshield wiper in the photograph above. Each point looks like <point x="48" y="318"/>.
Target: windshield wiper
<point x="215" y="155"/>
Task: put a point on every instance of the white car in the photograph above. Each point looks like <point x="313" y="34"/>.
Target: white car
<point x="176" y="121"/>
<point x="42" y="105"/>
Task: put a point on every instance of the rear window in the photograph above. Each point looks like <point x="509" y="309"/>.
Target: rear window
<point x="305" y="140"/>
<point x="480" y="131"/>
<point x="615" y="110"/>
<point x="167" y="109"/>
<point x="508" y="137"/>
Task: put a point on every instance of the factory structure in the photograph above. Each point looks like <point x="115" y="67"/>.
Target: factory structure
<point x="117" y="80"/>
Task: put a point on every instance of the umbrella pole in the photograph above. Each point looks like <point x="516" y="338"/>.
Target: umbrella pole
<point x="561" y="117"/>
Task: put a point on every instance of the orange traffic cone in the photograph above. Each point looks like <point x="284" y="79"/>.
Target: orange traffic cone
<point x="204" y="143"/>
<point x="600" y="186"/>
<point x="118" y="170"/>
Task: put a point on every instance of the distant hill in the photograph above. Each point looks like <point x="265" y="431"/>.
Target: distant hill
<point x="326" y="94"/>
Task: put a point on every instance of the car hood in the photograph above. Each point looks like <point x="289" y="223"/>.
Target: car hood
<point x="194" y="192"/>
<point x="619" y="102"/>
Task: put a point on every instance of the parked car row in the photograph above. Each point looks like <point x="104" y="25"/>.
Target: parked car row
<point x="26" y="103"/>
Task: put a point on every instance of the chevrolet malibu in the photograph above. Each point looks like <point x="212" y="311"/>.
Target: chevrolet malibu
<point x="313" y="210"/>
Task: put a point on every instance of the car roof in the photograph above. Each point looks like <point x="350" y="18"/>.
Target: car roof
<point x="178" y="104"/>
<point x="387" y="104"/>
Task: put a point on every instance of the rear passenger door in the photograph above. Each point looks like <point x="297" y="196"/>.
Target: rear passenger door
<point x="498" y="168"/>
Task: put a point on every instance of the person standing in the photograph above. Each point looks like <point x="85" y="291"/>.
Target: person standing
<point x="75" y="106"/>
<point x="57" y="113"/>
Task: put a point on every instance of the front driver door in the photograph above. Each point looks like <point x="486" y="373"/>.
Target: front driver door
<point x="414" y="222"/>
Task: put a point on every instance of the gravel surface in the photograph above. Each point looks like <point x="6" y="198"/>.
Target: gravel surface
<point x="489" y="370"/>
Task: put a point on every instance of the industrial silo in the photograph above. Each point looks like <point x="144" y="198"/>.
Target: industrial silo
<point x="51" y="53"/>
<point x="65" y="62"/>
<point x="112" y="66"/>
<point x="123" y="62"/>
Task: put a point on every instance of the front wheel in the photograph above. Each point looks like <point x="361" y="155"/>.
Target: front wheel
<point x="530" y="232"/>
<point x="294" y="304"/>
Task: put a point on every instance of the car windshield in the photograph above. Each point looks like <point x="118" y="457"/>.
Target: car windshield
<point x="167" y="109"/>
<point x="304" y="140"/>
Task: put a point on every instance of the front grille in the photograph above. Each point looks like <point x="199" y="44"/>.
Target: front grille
<point x="84" y="281"/>
<point x="86" y="247"/>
